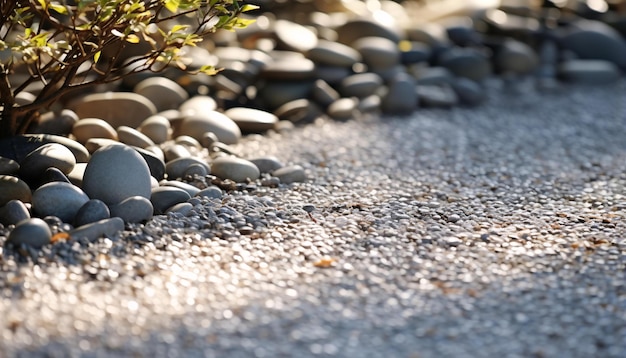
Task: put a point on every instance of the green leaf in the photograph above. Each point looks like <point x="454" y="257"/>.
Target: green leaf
<point x="172" y="5"/>
<point x="96" y="56"/>
<point x="249" y="7"/>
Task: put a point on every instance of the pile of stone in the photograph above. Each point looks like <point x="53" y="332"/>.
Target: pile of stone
<point x="149" y="144"/>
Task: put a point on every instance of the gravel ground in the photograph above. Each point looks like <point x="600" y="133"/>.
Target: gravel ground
<point x="488" y="232"/>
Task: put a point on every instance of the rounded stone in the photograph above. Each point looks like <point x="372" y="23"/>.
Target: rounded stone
<point x="267" y="164"/>
<point x="32" y="232"/>
<point x="198" y="104"/>
<point x="235" y="169"/>
<point x="437" y="96"/>
<point x="164" y="197"/>
<point x="180" y="208"/>
<point x="8" y="166"/>
<point x="590" y="39"/>
<point x="342" y="109"/>
<point x="176" y="168"/>
<point x="252" y="120"/>
<point x="469" y="92"/>
<point x="210" y="121"/>
<point x="13" y="212"/>
<point x="133" y="137"/>
<point x="360" y="85"/>
<point x="173" y="151"/>
<point x="92" y="211"/>
<point x="378" y="52"/>
<point x="516" y="57"/>
<point x="274" y="94"/>
<point x="290" y="174"/>
<point x="323" y="94"/>
<point x="466" y="62"/>
<point x="291" y="69"/>
<point x="195" y="170"/>
<point x="56" y="123"/>
<point x="293" y="36"/>
<point x="88" y="128"/>
<point x="412" y="52"/>
<point x="162" y="92"/>
<point x="190" y="189"/>
<point x="211" y="192"/>
<point x="116" y="108"/>
<point x="401" y="97"/>
<point x="135" y="209"/>
<point x="115" y="173"/>
<point x="363" y="27"/>
<point x="157" y="128"/>
<point x="332" y="53"/>
<point x="50" y="155"/>
<point x="102" y="228"/>
<point x="13" y="188"/>
<point x="300" y="110"/>
<point x="59" y="199"/>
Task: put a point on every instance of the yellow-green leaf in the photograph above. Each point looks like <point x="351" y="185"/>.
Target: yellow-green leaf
<point x="96" y="56"/>
<point x="59" y="8"/>
<point x="44" y="4"/>
<point x="132" y="38"/>
<point x="249" y="7"/>
<point x="172" y="5"/>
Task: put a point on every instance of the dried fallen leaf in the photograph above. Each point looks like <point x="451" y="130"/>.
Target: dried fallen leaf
<point x="59" y="236"/>
<point x="325" y="262"/>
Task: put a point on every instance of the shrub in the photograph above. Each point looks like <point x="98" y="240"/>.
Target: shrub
<point x="68" y="45"/>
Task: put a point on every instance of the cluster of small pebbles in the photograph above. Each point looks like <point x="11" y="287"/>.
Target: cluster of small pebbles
<point x="161" y="165"/>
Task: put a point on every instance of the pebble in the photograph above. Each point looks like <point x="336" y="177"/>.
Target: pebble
<point x="91" y="211"/>
<point x="183" y="209"/>
<point x="13" y="212"/>
<point x="323" y="94"/>
<point x="595" y="72"/>
<point x="173" y="151"/>
<point x="56" y="123"/>
<point x="32" y="232"/>
<point x="195" y="170"/>
<point x="252" y="120"/>
<point x="13" y="188"/>
<point x="294" y="68"/>
<point x="48" y="155"/>
<point x="176" y="168"/>
<point x="290" y="174"/>
<point x="466" y="62"/>
<point x="516" y="57"/>
<point x="267" y="164"/>
<point x="590" y="39"/>
<point x="294" y="37"/>
<point x="197" y="104"/>
<point x="360" y="85"/>
<point x="48" y="197"/>
<point x="80" y="152"/>
<point x="190" y="189"/>
<point x="162" y="92"/>
<point x="211" y="192"/>
<point x="412" y="52"/>
<point x="300" y="110"/>
<point x="342" y="109"/>
<point x="437" y="96"/>
<point x="235" y="169"/>
<point x="274" y="94"/>
<point x="164" y="197"/>
<point x="378" y="52"/>
<point x="133" y="137"/>
<point x="332" y="74"/>
<point x="116" y="108"/>
<point x="135" y="209"/>
<point x="156" y="166"/>
<point x="401" y="97"/>
<point x="157" y="128"/>
<point x="357" y="28"/>
<point x="8" y="166"/>
<point x="50" y="175"/>
<point x="469" y="92"/>
<point x="332" y="53"/>
<point x="210" y="121"/>
<point x="89" y="128"/>
<point x="115" y="173"/>
<point x="102" y="228"/>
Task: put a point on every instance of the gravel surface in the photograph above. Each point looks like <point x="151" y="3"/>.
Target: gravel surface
<point x="490" y="232"/>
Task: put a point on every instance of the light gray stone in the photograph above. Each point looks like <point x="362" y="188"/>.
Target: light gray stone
<point x="88" y="128"/>
<point x="252" y="120"/>
<point x="378" y="52"/>
<point x="176" y="168"/>
<point x="290" y="174"/>
<point x="115" y="173"/>
<point x="164" y="197"/>
<point x="360" y="85"/>
<point x="92" y="211"/>
<point x="157" y="128"/>
<point x="233" y="168"/>
<point x="211" y="192"/>
<point x="162" y="92"/>
<point x="267" y="164"/>
<point x="13" y="212"/>
<point x="293" y="36"/>
<point x="13" y="188"/>
<point x="116" y="108"/>
<point x="197" y="104"/>
<point x="133" y="137"/>
<point x="401" y="97"/>
<point x="48" y="155"/>
<point x="589" y="71"/>
<point x="102" y="228"/>
<point x="332" y="53"/>
<point x="210" y="121"/>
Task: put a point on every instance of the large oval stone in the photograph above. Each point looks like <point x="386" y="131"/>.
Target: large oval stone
<point x="199" y="123"/>
<point x="162" y="92"/>
<point x="115" y="173"/>
<point x="595" y="40"/>
<point x="116" y="108"/>
<point x="48" y="155"/>
<point x="235" y="169"/>
<point x="252" y="120"/>
<point x="59" y="199"/>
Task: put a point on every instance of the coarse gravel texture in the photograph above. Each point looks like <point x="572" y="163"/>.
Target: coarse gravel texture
<point x="495" y="231"/>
